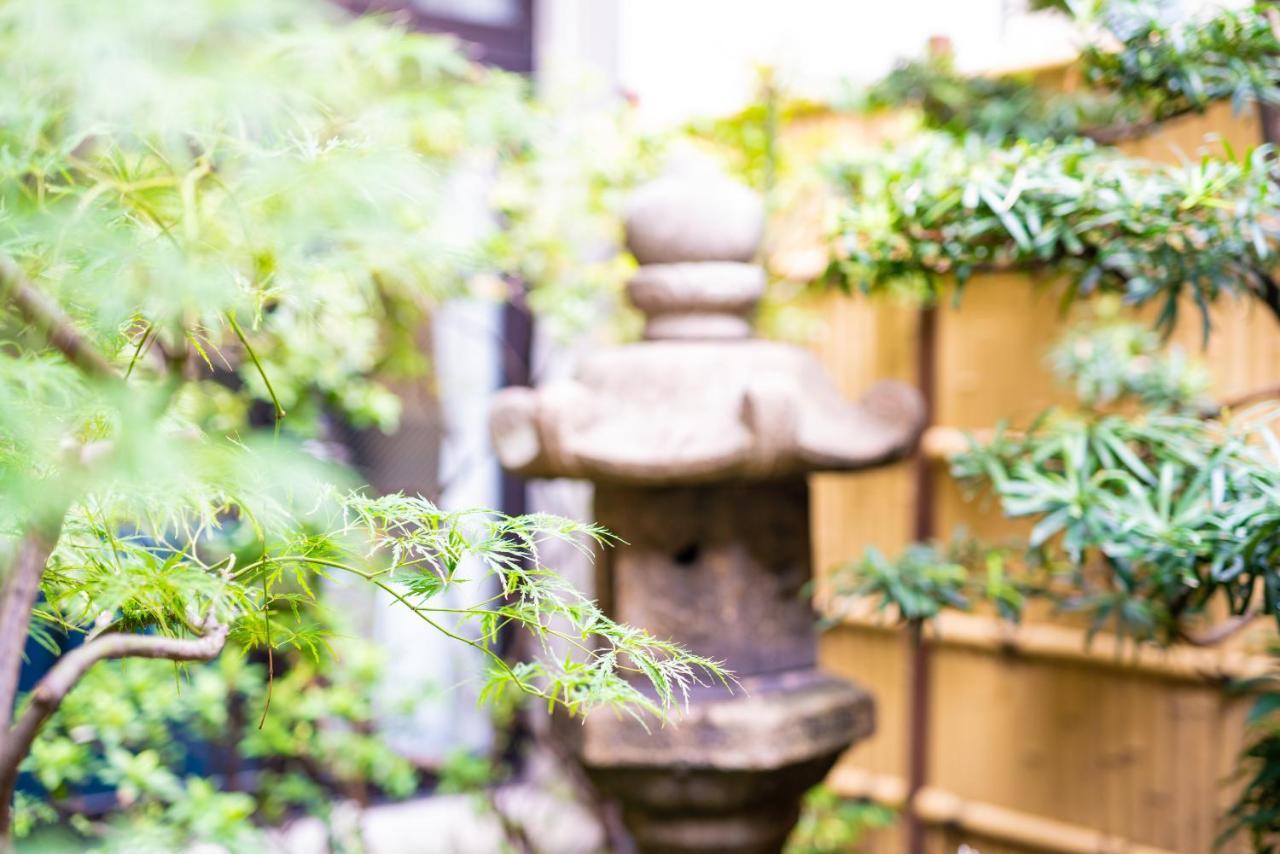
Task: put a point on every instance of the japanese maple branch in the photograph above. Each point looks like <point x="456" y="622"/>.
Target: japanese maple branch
<point x="19" y="586"/>
<point x="63" y="676"/>
<point x="45" y="315"/>
<point x="20" y="581"/>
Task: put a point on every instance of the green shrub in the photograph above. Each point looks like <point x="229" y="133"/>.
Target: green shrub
<point x="942" y="210"/>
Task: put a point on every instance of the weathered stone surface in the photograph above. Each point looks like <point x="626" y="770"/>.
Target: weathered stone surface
<point x="670" y="412"/>
<point x="725" y="776"/>
<point x="708" y="301"/>
<point x="766" y="722"/>
<point x="720" y="569"/>
<point x="699" y="440"/>
<point x="700" y="401"/>
<point x="693" y="213"/>
<point x="701" y="811"/>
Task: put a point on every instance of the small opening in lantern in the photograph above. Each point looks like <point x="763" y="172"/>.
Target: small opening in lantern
<point x="687" y="555"/>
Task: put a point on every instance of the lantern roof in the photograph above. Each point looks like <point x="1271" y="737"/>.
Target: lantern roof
<point x="700" y="399"/>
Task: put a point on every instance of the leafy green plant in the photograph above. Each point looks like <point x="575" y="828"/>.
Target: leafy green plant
<point x="999" y="109"/>
<point x="1144" y="518"/>
<point x="1141" y="517"/>
<point x="279" y="191"/>
<point x="1115" y="361"/>
<point x="1152" y="519"/>
<point x="919" y="585"/>
<point x="750" y="141"/>
<point x="945" y="209"/>
<point x="1256" y="811"/>
<point x="1178" y="66"/>
<point x="129" y="602"/>
<point x="926" y="579"/>
<point x="830" y="824"/>
<point x="1142" y="66"/>
<point x="129" y="725"/>
<point x="560" y="194"/>
<point x="205" y="208"/>
<point x="1147" y="505"/>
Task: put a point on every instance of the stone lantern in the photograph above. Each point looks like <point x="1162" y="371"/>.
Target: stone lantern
<point x="698" y="440"/>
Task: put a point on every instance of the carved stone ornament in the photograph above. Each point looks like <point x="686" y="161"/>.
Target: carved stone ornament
<point x="700" y="400"/>
<point x="699" y="440"/>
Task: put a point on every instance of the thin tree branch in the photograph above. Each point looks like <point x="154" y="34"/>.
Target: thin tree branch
<point x="42" y="313"/>
<point x="1221" y="632"/>
<point x="19" y="588"/>
<point x="244" y="342"/>
<point x="58" y="682"/>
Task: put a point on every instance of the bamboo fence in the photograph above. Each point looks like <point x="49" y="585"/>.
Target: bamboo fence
<point x="1032" y="739"/>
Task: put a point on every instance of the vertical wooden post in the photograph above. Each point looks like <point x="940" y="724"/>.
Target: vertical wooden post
<point x="918" y="700"/>
<point x="516" y="734"/>
<point x="517" y="370"/>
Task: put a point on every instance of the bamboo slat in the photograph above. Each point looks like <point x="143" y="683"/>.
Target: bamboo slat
<point x="1188" y="137"/>
<point x="1036" y="739"/>
<point x="968" y="821"/>
<point x="1214" y="666"/>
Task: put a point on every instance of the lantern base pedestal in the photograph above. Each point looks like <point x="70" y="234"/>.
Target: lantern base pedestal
<point x="728" y="773"/>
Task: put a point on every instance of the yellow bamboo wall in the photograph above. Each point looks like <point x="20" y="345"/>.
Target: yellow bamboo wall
<point x="1036" y="743"/>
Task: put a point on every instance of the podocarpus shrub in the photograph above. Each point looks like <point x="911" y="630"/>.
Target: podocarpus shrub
<point x="997" y="109"/>
<point x="1140" y="66"/>
<point x="945" y="209"/>
<point x="1171" y="67"/>
<point x="1139" y="521"/>
<point x="1151" y="524"/>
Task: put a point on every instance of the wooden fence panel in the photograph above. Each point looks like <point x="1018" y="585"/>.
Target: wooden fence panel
<point x="1035" y="744"/>
<point x="1187" y="137"/>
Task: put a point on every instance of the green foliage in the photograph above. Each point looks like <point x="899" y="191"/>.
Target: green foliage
<point x="749" y="141"/>
<point x="1153" y="517"/>
<point x="1256" y="811"/>
<point x="1140" y="522"/>
<point x="1143" y="65"/>
<point x="157" y="213"/>
<point x="179" y="566"/>
<point x="1115" y="361"/>
<point x="560" y="197"/>
<point x="918" y="585"/>
<point x="128" y="725"/>
<point x="224" y="204"/>
<point x="927" y="578"/>
<point x="830" y="824"/>
<point x="946" y="208"/>
<point x="1127" y="494"/>
<point x="427" y="552"/>
<point x="750" y="136"/>
<point x="294" y="169"/>
<point x="1180" y="66"/>
<point x="999" y="109"/>
<point x="465" y="772"/>
<point x="267" y="162"/>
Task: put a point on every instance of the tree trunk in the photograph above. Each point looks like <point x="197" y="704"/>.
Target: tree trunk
<point x="63" y="676"/>
<point x="18" y="591"/>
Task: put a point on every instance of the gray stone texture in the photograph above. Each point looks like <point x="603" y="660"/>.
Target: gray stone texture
<point x="699" y="440"/>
